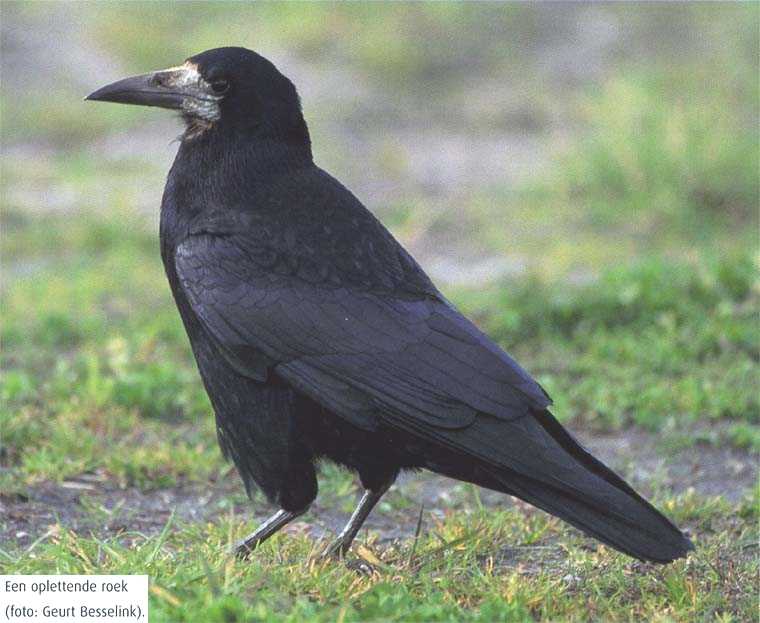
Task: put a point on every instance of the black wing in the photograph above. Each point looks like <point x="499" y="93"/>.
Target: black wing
<point x="353" y="351"/>
<point x="342" y="312"/>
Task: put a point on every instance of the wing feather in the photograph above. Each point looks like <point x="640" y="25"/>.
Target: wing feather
<point x="362" y="354"/>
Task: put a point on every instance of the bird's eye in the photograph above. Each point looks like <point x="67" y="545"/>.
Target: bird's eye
<point x="220" y="86"/>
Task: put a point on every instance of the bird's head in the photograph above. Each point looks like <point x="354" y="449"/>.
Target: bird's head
<point x="221" y="90"/>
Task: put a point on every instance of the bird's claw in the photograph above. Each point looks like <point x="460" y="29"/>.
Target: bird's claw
<point x="244" y="548"/>
<point x="361" y="566"/>
<point x="338" y="549"/>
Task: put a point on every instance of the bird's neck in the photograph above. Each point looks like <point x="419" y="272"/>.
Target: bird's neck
<point x="213" y="138"/>
<point x="236" y="155"/>
<point x="213" y="170"/>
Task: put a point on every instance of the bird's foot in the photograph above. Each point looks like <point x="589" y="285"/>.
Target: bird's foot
<point x="361" y="567"/>
<point x="245" y="547"/>
<point x="337" y="549"/>
<point x="282" y="517"/>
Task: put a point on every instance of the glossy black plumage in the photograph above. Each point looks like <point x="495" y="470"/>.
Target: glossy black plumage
<point x="318" y="336"/>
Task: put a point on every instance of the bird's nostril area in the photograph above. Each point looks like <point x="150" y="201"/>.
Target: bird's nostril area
<point x="160" y="80"/>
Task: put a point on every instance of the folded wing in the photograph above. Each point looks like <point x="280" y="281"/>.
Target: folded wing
<point x="361" y="353"/>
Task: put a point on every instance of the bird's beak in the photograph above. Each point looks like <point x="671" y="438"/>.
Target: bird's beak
<point x="168" y="88"/>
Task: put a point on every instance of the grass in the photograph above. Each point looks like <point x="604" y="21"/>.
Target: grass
<point x="490" y="565"/>
<point x="639" y="314"/>
<point x="679" y="341"/>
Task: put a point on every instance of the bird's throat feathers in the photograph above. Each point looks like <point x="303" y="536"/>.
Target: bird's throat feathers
<point x="195" y="126"/>
<point x="292" y="131"/>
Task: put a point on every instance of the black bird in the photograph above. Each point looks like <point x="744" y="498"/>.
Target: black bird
<point x="318" y="336"/>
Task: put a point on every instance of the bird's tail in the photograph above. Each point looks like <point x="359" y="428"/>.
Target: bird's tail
<point x="580" y="490"/>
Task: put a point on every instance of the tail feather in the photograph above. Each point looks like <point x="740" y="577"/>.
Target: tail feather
<point x="544" y="465"/>
<point x="645" y="534"/>
<point x="643" y="529"/>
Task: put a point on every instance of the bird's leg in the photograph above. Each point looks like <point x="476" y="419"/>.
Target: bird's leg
<point x="265" y="530"/>
<point x="346" y="536"/>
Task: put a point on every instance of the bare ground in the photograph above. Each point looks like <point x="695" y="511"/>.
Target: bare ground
<point x="92" y="504"/>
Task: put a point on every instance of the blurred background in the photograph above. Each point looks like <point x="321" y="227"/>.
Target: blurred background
<point x="582" y="179"/>
<point x="494" y="139"/>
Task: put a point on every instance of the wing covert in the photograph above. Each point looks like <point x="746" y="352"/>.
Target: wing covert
<point x="361" y="352"/>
